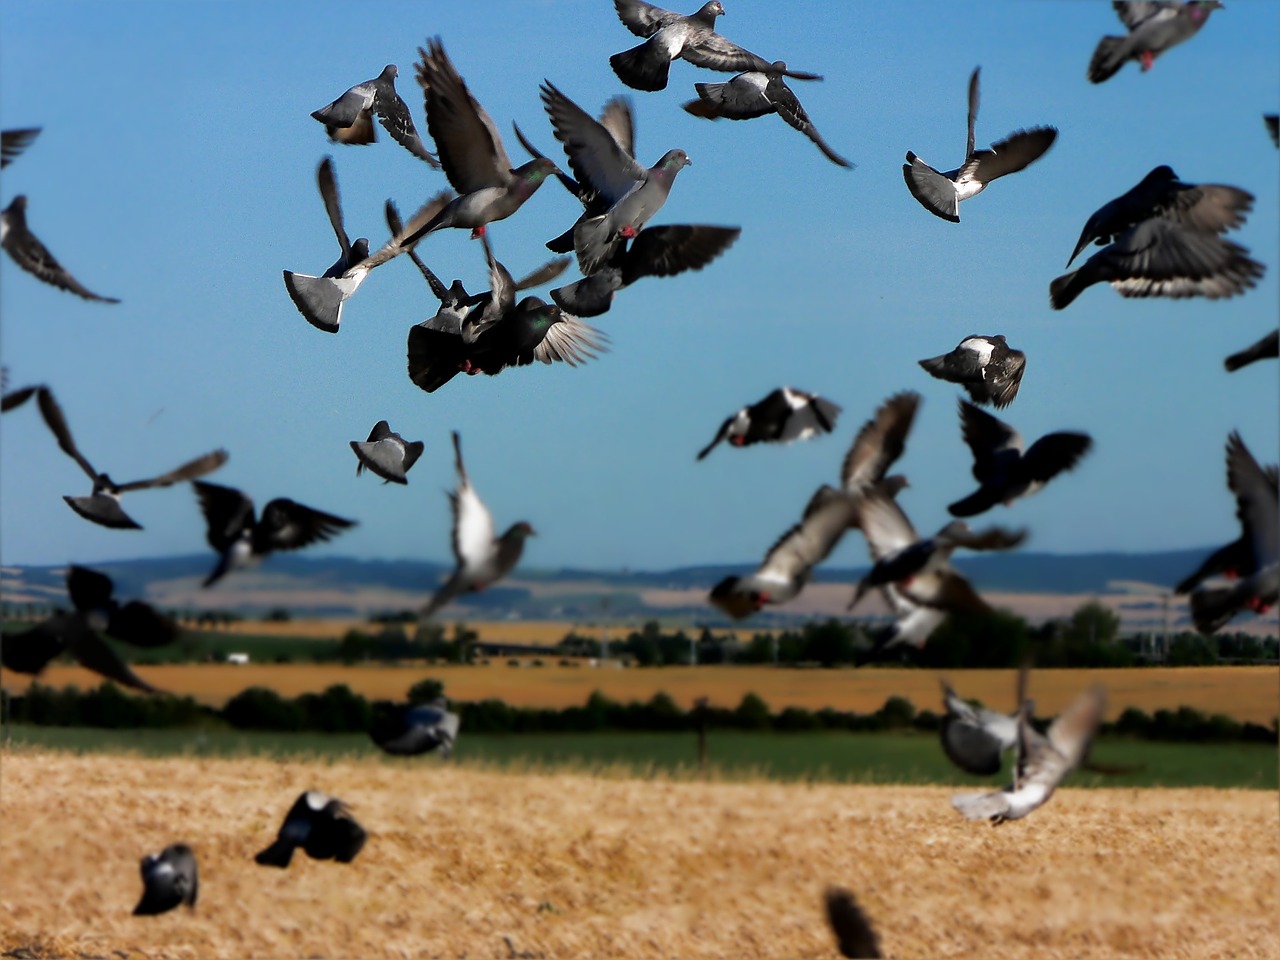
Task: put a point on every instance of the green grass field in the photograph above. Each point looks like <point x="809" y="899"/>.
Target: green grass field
<point x="882" y="758"/>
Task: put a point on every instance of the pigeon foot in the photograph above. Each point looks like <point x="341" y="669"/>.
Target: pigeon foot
<point x="1147" y="58"/>
<point x="478" y="232"/>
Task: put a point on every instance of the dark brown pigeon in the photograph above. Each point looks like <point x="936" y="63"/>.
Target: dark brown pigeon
<point x="26" y="250"/>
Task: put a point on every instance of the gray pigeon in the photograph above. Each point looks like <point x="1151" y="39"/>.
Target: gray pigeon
<point x="1254" y="559"/>
<point x="13" y="142"/>
<point x="1004" y="471"/>
<point x="1268" y="348"/>
<point x="243" y="540"/>
<point x="755" y="94"/>
<point x="419" y="728"/>
<point x="988" y="369"/>
<point x="855" y="937"/>
<point x="349" y="119"/>
<point x="482" y="557"/>
<point x="387" y="454"/>
<point x="974" y="738"/>
<point x="95" y="611"/>
<point x="1043" y="761"/>
<point x="102" y="506"/>
<point x="31" y="255"/>
<point x="169" y="880"/>
<point x="783" y="416"/>
<point x="1210" y="207"/>
<point x="672" y="35"/>
<point x="941" y="193"/>
<point x="322" y="826"/>
<point x="1154" y="26"/>
<point x="471" y="152"/>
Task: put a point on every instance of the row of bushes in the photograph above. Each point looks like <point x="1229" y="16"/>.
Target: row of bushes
<point x="340" y="710"/>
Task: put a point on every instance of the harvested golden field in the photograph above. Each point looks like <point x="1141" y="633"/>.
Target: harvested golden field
<point x="459" y="859"/>
<point x="1245" y="693"/>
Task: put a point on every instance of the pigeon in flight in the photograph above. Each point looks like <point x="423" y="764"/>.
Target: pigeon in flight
<point x="1209" y="207"/>
<point x="1005" y="473"/>
<point x="974" y="738"/>
<point x="878" y="444"/>
<point x="671" y="35"/>
<point x="988" y="369"/>
<point x="1253" y="560"/>
<point x="102" y="506"/>
<point x="482" y="558"/>
<point x="16" y="398"/>
<point x="322" y="826"/>
<point x="855" y="937"/>
<point x="243" y="540"/>
<point x="387" y="454"/>
<point x="13" y="142"/>
<point x="471" y="152"/>
<point x="168" y="880"/>
<point x="941" y="193"/>
<point x="756" y="94"/>
<point x="1043" y="761"/>
<point x="349" y="119"/>
<point x="418" y="729"/>
<point x="95" y="611"/>
<point x="31" y="255"/>
<point x="1154" y="26"/>
<point x="784" y="415"/>
<point x="1268" y="348"/>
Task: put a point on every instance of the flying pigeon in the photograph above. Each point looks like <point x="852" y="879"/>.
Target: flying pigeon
<point x="482" y="558"/>
<point x="1268" y="348"/>
<point x="855" y="937"/>
<point x="755" y="94"/>
<point x="31" y="255"/>
<point x="1253" y="560"/>
<point x="320" y="299"/>
<point x="974" y="738"/>
<point x="1042" y="761"/>
<point x="655" y="252"/>
<point x="1005" y="473"/>
<point x="1210" y="207"/>
<point x="94" y="611"/>
<point x="168" y="880"/>
<point x="242" y="540"/>
<point x="13" y="142"/>
<point x="417" y="729"/>
<point x="102" y="506"/>
<point x="986" y="367"/>
<point x="941" y="193"/>
<point x="16" y="398"/>
<point x="471" y="152"/>
<point x="878" y="444"/>
<point x="322" y="826"/>
<point x="1153" y="27"/>
<point x="349" y="119"/>
<point x="387" y="454"/>
<point x="672" y="35"/>
<point x="789" y="563"/>
<point x="781" y="417"/>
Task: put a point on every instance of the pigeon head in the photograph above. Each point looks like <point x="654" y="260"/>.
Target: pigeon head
<point x="735" y="604"/>
<point x="359" y="249"/>
<point x="739" y="426"/>
<point x="956" y="528"/>
<point x="708" y="12"/>
<point x="536" y="171"/>
<point x="672" y="162"/>
<point x="389" y="72"/>
<point x="1161" y="174"/>
<point x="520" y="531"/>
<point x="18" y="205"/>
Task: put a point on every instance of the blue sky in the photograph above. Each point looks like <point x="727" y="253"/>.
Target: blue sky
<point x="176" y="171"/>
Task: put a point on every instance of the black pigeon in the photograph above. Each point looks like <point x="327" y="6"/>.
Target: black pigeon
<point x="988" y="369"/>
<point x="169" y="880"/>
<point x="1268" y="348"/>
<point x="784" y="415"/>
<point x="756" y="94"/>
<point x="418" y="728"/>
<point x="349" y="119"/>
<point x="26" y="250"/>
<point x="16" y="398"/>
<point x="1004" y="471"/>
<point x="855" y="937"/>
<point x="1154" y="26"/>
<point x="672" y="35"/>
<point x="322" y="826"/>
<point x="102" y="506"/>
<point x="941" y="193"/>
<point x="242" y="540"/>
<point x="94" y="611"/>
<point x="13" y="142"/>
<point x="387" y="454"/>
<point x="1272" y="121"/>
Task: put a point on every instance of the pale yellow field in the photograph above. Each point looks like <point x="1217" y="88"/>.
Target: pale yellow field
<point x="1246" y="693"/>
<point x="569" y="866"/>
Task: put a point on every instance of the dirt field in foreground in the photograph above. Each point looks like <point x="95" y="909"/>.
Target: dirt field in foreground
<point x="570" y="866"/>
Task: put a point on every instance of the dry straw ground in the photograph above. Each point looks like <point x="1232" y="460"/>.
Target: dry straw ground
<point x="569" y="866"/>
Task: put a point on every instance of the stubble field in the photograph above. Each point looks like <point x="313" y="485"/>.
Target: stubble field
<point x="459" y="860"/>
